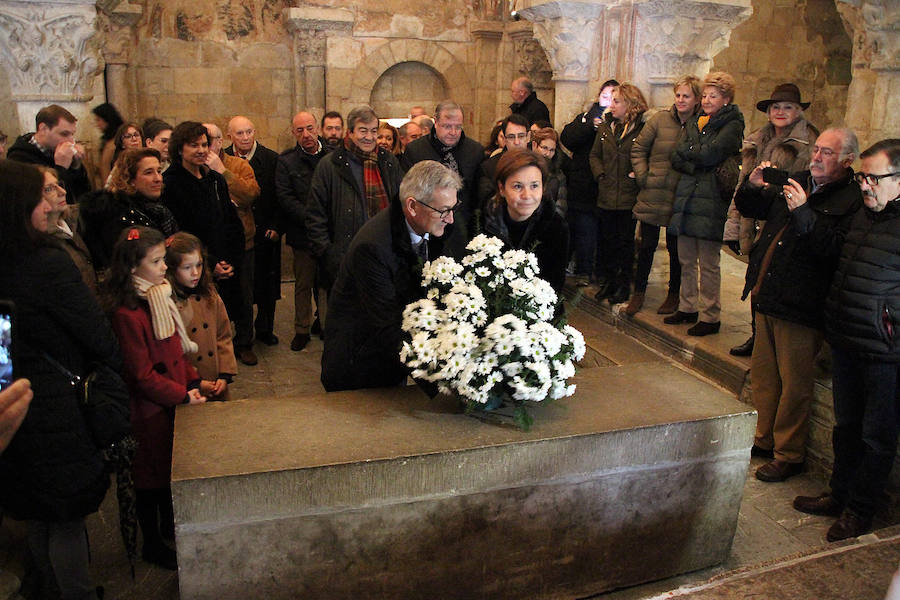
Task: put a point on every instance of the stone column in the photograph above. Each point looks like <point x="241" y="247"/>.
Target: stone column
<point x="311" y="28"/>
<point x="48" y="51"/>
<point x="487" y="36"/>
<point x="678" y="37"/>
<point x="119" y="21"/>
<point x="873" y="102"/>
<point x="568" y="32"/>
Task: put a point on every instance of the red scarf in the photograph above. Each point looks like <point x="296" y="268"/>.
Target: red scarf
<point x="373" y="186"/>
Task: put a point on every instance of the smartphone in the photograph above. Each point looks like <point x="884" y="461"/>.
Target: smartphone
<point x="775" y="176"/>
<point x="7" y="375"/>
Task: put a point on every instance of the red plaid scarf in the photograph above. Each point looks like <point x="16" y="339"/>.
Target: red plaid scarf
<point x="376" y="195"/>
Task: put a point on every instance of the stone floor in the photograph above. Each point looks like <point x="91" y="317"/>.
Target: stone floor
<point x="768" y="528"/>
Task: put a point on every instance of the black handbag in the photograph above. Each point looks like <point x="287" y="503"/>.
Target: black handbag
<point x="104" y="401"/>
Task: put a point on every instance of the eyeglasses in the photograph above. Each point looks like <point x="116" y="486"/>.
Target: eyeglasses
<point x="131" y="136"/>
<point x="872" y="179"/>
<point x="443" y="213"/>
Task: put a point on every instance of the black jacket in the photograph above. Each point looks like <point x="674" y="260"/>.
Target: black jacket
<point x="337" y="207"/>
<point x="51" y="470"/>
<point x="699" y="210"/>
<point x="293" y="176"/>
<point x="379" y="276"/>
<point x="469" y="155"/>
<point x="803" y="263"/>
<point x="578" y="136"/>
<point x="531" y="108"/>
<point x="75" y="179"/>
<point x="202" y="207"/>
<point x="862" y="310"/>
<point x="265" y="208"/>
<point x="105" y="214"/>
<point x="546" y="235"/>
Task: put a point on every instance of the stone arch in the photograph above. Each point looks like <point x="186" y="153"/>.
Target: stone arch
<point x="459" y="82"/>
<point x="406" y="84"/>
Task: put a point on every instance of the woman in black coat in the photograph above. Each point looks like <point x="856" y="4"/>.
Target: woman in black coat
<point x="524" y="220"/>
<point x="51" y="475"/>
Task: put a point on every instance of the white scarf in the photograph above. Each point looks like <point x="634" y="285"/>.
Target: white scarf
<point x="164" y="313"/>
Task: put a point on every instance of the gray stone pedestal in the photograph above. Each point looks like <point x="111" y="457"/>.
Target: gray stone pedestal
<point x="386" y="494"/>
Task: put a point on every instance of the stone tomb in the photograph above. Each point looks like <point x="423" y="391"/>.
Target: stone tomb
<point x="387" y="494"/>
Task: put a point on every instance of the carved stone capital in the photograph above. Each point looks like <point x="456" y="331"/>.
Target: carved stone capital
<point x="318" y="19"/>
<point x="682" y="36"/>
<point x="48" y="49"/>
<point x="488" y="30"/>
<point x="568" y="32"/>
<point x="873" y="25"/>
<point x="121" y="12"/>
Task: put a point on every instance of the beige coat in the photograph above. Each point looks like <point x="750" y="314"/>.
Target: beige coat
<point x="244" y="190"/>
<point x="208" y="325"/>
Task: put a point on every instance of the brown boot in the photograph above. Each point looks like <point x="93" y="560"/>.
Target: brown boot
<point x="637" y="301"/>
<point x="670" y="305"/>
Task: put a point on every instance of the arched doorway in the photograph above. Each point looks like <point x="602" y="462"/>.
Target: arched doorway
<point x="407" y="84"/>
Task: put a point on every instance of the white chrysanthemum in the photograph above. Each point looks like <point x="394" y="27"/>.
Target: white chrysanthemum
<point x="577" y="341"/>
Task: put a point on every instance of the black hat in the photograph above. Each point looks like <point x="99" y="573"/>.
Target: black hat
<point x="785" y="92"/>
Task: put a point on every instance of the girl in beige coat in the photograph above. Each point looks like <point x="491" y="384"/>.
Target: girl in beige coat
<point x="203" y="313"/>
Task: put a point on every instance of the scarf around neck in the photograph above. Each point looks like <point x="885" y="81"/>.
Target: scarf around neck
<point x="376" y="195"/>
<point x="164" y="313"/>
<point x="446" y="152"/>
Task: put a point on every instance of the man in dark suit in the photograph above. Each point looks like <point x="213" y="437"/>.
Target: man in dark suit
<point x="447" y="144"/>
<point x="380" y="275"/>
<point x="263" y="262"/>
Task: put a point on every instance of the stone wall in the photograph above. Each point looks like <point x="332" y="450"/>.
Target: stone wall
<point x="786" y="40"/>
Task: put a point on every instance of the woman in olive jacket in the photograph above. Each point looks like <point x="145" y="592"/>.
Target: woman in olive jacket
<point x="699" y="212"/>
<point x="617" y="191"/>
<point x="650" y="157"/>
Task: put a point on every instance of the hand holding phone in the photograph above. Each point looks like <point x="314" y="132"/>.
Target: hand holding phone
<point x="6" y="344"/>
<point x="774" y="176"/>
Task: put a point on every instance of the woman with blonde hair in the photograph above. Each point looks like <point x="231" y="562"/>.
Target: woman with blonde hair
<point x="711" y="138"/>
<point x="617" y="190"/>
<point x="388" y="138"/>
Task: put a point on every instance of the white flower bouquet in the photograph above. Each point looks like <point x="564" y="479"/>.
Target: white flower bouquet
<point x="486" y="331"/>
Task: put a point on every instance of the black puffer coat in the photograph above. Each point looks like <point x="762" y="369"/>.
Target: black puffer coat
<point x="51" y="470"/>
<point x="803" y="263"/>
<point x="862" y="311"/>
<point x="578" y="137"/>
<point x="699" y="210"/>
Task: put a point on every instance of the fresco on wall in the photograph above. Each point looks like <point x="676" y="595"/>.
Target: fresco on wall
<point x="247" y="21"/>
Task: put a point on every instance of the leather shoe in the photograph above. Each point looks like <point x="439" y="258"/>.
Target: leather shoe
<point x="604" y="290"/>
<point x="745" y="349"/>
<point x="778" y="470"/>
<point x="848" y="525"/>
<point x="680" y="317"/>
<point x="299" y="342"/>
<point x="316" y="328"/>
<point x="620" y="294"/>
<point x="268" y="338"/>
<point x="160" y="555"/>
<point x="669" y="305"/>
<point x="823" y="504"/>
<point x="635" y="304"/>
<point x="247" y="356"/>
<point x="703" y="328"/>
<point x="761" y="452"/>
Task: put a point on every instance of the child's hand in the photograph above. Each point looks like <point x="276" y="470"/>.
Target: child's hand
<point x="219" y="387"/>
<point x="196" y="397"/>
<point x="207" y="387"/>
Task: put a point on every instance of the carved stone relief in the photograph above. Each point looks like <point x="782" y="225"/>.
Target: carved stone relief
<point x="49" y="49"/>
<point x="532" y="62"/>
<point x="567" y="31"/>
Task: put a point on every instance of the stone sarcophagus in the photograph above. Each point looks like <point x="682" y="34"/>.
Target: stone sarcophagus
<point x="387" y="494"/>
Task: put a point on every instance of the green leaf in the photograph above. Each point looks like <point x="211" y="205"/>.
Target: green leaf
<point x="523" y="419"/>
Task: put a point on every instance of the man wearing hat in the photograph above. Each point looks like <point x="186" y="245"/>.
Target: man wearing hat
<point x="784" y="141"/>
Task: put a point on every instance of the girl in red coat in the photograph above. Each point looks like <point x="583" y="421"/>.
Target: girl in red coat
<point x="154" y="343"/>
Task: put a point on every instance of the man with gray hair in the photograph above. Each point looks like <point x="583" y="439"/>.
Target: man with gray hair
<point x="790" y="270"/>
<point x="526" y="103"/>
<point x="409" y="132"/>
<point x="349" y="186"/>
<point x="448" y="145"/>
<point x="380" y="275"/>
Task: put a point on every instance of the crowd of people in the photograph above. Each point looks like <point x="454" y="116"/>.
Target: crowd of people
<point x="156" y="272"/>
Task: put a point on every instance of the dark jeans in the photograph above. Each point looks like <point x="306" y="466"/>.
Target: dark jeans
<point x="615" y="246"/>
<point x="60" y="551"/>
<point x="583" y="230"/>
<point x="865" y="430"/>
<point x="649" y="242"/>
